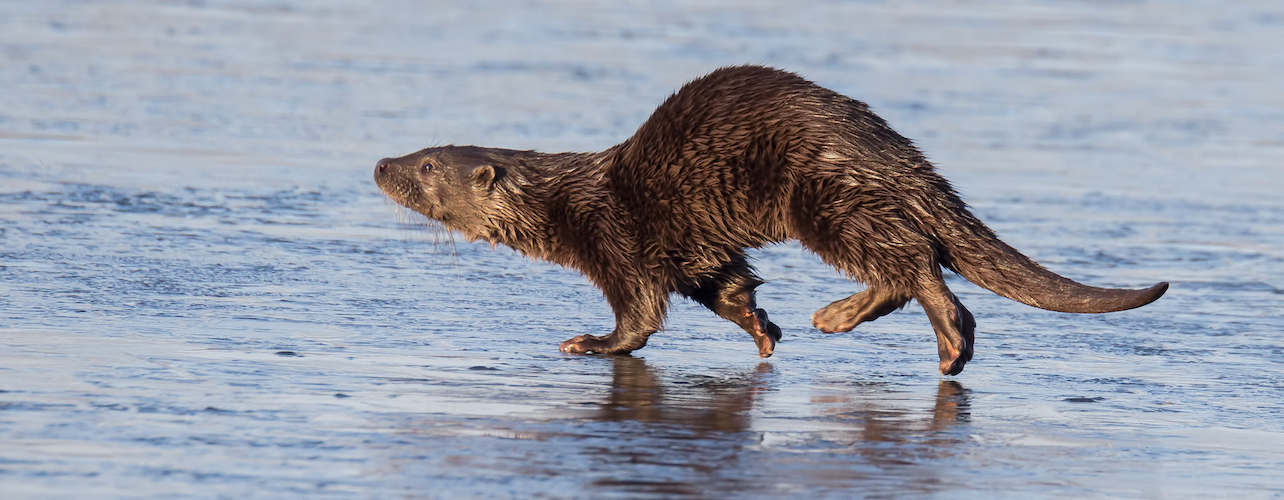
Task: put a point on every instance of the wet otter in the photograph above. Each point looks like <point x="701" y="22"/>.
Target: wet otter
<point x="740" y="158"/>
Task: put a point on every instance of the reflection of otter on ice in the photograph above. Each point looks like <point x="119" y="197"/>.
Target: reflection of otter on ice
<point x="639" y="393"/>
<point x="695" y="405"/>
<point x="713" y="435"/>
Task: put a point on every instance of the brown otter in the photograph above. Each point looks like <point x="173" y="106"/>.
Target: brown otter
<point x="740" y="158"/>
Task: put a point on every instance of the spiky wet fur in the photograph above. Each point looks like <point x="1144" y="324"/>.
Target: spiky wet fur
<point x="741" y="158"/>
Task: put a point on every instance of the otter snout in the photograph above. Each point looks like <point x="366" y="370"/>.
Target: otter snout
<point x="382" y="167"/>
<point x="392" y="179"/>
<point x="387" y="175"/>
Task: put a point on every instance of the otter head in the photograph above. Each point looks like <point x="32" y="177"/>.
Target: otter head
<point x="456" y="185"/>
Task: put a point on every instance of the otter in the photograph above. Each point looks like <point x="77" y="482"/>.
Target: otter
<point x="740" y="158"/>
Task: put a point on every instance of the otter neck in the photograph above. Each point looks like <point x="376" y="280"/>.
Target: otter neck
<point x="552" y="206"/>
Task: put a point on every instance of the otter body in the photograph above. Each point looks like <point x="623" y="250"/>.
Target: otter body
<point x="740" y="158"/>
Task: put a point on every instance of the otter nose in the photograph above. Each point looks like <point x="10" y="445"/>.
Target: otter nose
<point x="383" y="166"/>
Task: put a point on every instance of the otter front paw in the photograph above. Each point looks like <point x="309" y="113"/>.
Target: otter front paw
<point x="953" y="359"/>
<point x="583" y="344"/>
<point x="765" y="334"/>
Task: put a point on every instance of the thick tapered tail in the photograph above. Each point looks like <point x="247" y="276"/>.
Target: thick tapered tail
<point x="973" y="250"/>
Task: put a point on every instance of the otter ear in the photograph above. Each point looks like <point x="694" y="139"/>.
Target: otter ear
<point x="486" y="176"/>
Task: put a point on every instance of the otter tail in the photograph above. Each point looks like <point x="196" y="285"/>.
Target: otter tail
<point x="974" y="251"/>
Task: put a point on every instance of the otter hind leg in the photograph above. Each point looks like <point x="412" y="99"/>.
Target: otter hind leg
<point x="730" y="294"/>
<point x="868" y="305"/>
<point x="954" y="325"/>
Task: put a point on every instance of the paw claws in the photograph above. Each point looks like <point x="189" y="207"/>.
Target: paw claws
<point x="766" y="347"/>
<point x="953" y="364"/>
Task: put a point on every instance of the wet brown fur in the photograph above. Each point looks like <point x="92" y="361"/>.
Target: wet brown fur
<point x="741" y="158"/>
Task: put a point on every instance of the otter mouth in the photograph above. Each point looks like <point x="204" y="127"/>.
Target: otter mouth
<point x="406" y="195"/>
<point x="411" y="196"/>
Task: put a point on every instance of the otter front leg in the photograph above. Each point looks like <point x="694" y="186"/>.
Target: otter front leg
<point x="730" y="295"/>
<point x="638" y="314"/>
<point x="869" y="305"/>
<point x="612" y="343"/>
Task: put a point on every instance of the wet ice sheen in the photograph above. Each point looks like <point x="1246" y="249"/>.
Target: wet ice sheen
<point x="185" y="196"/>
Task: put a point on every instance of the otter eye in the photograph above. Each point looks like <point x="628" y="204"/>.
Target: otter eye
<point x="427" y="166"/>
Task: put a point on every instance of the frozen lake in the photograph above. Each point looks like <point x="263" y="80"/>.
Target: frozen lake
<point x="203" y="293"/>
